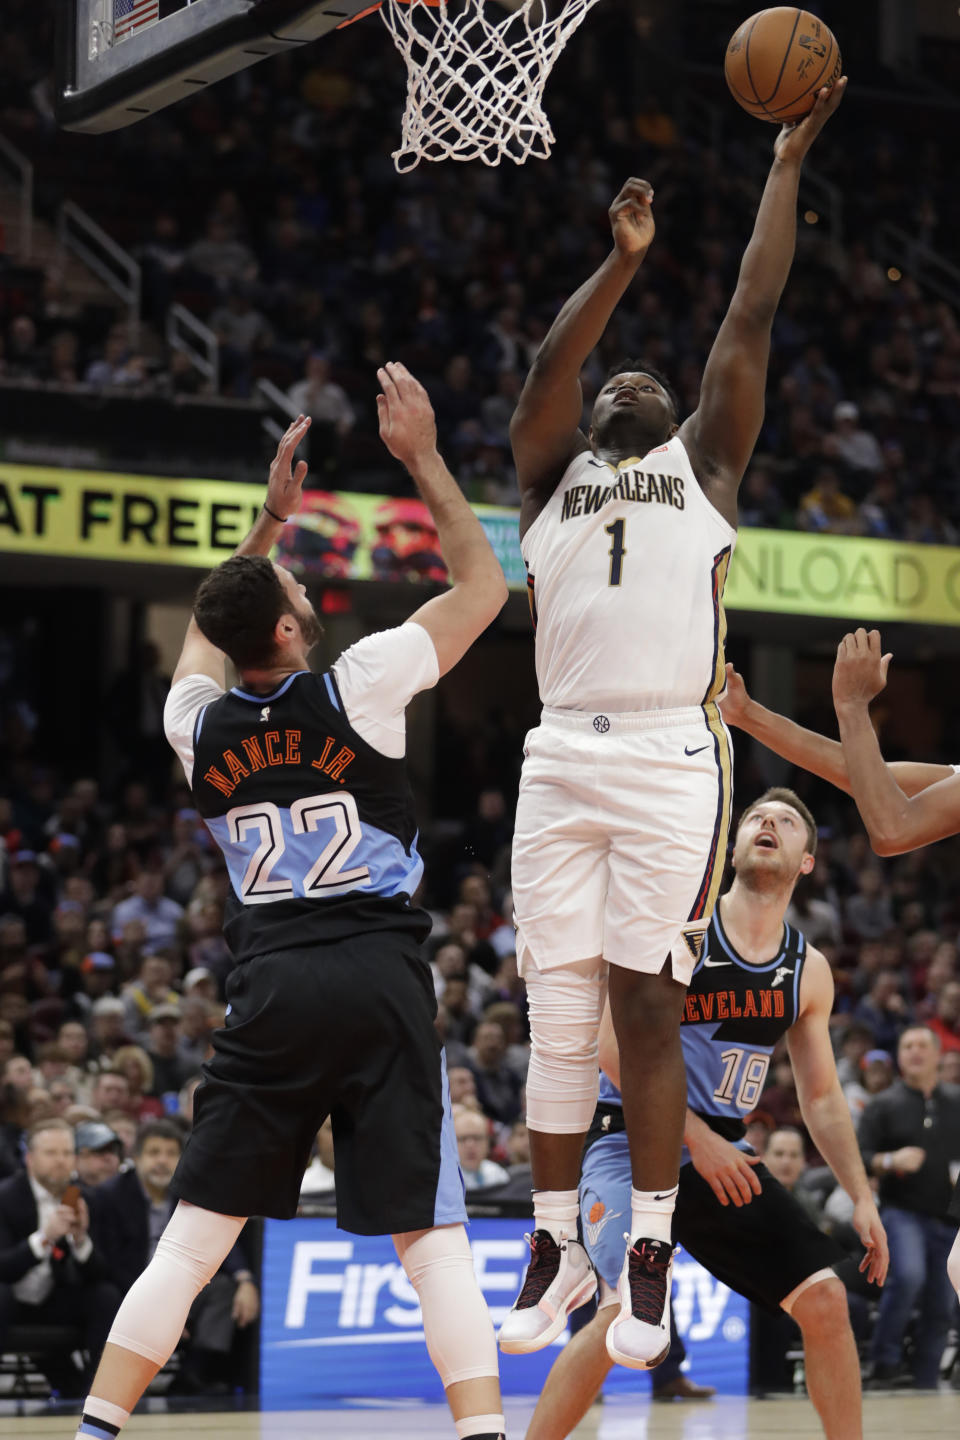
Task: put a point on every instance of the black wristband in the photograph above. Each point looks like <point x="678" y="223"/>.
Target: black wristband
<point x="279" y="518"/>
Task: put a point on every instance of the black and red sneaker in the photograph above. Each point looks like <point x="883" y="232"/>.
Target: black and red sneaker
<point x="559" y="1279"/>
<point x="640" y="1336"/>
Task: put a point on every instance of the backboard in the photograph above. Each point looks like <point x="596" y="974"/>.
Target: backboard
<point x="120" y="60"/>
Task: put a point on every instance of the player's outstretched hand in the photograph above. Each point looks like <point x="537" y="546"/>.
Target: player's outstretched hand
<point x="728" y="1171"/>
<point x="734" y="702"/>
<point x="407" y="424"/>
<point x="285" y="485"/>
<point x="795" y="140"/>
<point x="860" y="670"/>
<point x="869" y="1227"/>
<point x="631" y="219"/>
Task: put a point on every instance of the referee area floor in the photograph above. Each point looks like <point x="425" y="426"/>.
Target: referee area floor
<point x="886" y="1414"/>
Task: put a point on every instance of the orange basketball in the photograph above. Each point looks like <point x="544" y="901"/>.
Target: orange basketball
<point x="778" y="61"/>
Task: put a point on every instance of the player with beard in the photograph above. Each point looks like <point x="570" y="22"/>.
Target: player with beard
<point x="301" y="780"/>
<point x="756" y="981"/>
<point x="904" y="805"/>
<point x="623" y="814"/>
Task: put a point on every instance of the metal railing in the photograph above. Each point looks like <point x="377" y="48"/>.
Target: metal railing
<point x="925" y="265"/>
<point x="188" y="335"/>
<point x="19" y="168"/>
<point x="276" y="400"/>
<point x="116" y="267"/>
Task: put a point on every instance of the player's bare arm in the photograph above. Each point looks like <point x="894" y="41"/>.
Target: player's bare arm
<point x="816" y="753"/>
<point x="545" y="430"/>
<point x="721" y="433"/>
<point x="284" y="490"/>
<point x="825" y="1110"/>
<point x="478" y="589"/>
<point x="895" y="822"/>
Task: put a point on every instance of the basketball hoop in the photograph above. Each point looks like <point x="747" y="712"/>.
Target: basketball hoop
<point x="475" y="85"/>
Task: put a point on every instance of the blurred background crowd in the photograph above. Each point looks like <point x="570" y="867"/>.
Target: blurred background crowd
<point x="269" y="207"/>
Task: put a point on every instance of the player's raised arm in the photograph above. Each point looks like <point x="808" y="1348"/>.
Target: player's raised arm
<point x="723" y="430"/>
<point x="284" y="487"/>
<point x="478" y="590"/>
<point x="545" y="430"/>
<point x="816" y="753"/>
<point x="895" y="822"/>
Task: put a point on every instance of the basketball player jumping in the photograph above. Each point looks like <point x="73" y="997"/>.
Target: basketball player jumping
<point x="622" y="821"/>
<point x="301" y="780"/>
<point x="732" y="1215"/>
<point x="903" y="806"/>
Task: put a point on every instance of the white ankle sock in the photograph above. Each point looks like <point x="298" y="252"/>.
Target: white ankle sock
<point x="556" y="1211"/>
<point x="476" y="1425"/>
<point x="651" y="1214"/>
<point x="101" y="1419"/>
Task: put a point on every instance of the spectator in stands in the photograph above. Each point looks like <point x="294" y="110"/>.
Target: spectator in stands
<point x="473" y="1145"/>
<point x="761" y="503"/>
<point x="507" y="1015"/>
<point x="158" y="913"/>
<point x="884" y="1009"/>
<point x="50" y="1271"/>
<point x="99" y="1154"/>
<point x="945" y="1022"/>
<point x="107" y="1029"/>
<point x="170" y="1069"/>
<point x="780" y="1098"/>
<point x="463" y="1087"/>
<point x="868" y="914"/>
<point x="136" y="1067"/>
<point x="193" y="1038"/>
<point x="910" y="1135"/>
<point x="318" y="396"/>
<point x="498" y="1085"/>
<point x="129" y="1215"/>
<point x="784" y="1158"/>
<point x="110" y="1091"/>
<point x="824" y="507"/>
<point x="153" y="987"/>
<point x="857" y="448"/>
<point x="876" y="1076"/>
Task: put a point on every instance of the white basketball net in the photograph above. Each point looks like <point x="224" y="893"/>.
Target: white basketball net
<point x="475" y="85"/>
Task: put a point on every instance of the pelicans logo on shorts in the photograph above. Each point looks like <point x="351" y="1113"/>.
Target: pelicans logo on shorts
<point x="596" y="1218"/>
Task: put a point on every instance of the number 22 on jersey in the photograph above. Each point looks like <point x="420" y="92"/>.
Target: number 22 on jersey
<point x="326" y="875"/>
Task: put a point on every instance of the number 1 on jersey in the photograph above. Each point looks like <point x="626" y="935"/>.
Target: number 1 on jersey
<point x="617" y="550"/>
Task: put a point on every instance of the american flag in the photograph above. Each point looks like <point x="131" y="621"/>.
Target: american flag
<point x="130" y="15"/>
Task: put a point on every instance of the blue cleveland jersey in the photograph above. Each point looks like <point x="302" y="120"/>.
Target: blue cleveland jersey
<point x="316" y="826"/>
<point x="733" y="1016"/>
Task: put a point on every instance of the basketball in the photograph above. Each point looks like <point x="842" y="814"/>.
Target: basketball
<point x="778" y="61"/>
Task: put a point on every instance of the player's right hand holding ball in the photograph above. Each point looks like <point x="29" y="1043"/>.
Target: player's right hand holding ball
<point x="793" y="142"/>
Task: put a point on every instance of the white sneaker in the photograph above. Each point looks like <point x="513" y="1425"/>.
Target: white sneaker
<point x="559" y="1279"/>
<point x="640" y="1336"/>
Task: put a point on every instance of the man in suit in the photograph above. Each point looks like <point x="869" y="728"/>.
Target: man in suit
<point x="130" y="1214"/>
<point x="50" y="1271"/>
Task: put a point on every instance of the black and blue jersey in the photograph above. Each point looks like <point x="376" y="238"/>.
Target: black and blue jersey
<point x="733" y="1016"/>
<point x="316" y="826"/>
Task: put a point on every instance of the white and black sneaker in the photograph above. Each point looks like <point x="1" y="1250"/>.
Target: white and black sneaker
<point x="640" y="1336"/>
<point x="559" y="1279"/>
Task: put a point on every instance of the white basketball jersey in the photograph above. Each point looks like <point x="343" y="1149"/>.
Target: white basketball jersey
<point x="626" y="567"/>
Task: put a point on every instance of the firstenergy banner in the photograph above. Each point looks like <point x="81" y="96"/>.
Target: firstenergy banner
<point x="343" y="536"/>
<point x="340" y="1318"/>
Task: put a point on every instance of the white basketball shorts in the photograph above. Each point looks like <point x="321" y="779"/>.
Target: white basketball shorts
<point x="621" y="837"/>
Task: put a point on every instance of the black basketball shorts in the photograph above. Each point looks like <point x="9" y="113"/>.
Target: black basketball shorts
<point x="346" y="1030"/>
<point x="763" y="1250"/>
